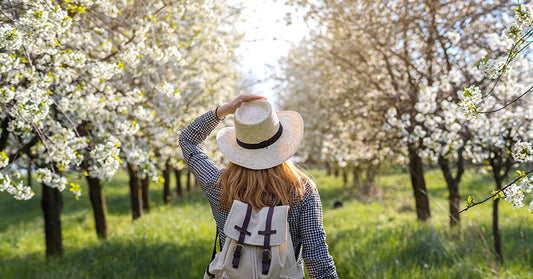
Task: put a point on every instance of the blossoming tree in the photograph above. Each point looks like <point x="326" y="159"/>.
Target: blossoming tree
<point x="407" y="51"/>
<point x="502" y="118"/>
<point x="79" y="79"/>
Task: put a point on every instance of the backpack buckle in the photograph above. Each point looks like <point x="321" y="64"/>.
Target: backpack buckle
<point x="266" y="255"/>
<point x="237" y="250"/>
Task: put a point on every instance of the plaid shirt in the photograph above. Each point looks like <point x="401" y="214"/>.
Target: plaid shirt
<point x="305" y="218"/>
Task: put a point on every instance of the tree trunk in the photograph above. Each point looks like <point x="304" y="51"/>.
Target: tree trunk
<point x="500" y="169"/>
<point x="189" y="182"/>
<point x="329" y="172"/>
<point x="179" y="188"/>
<point x="336" y="169"/>
<point x="496" y="231"/>
<point x="166" y="183"/>
<point x="356" y="182"/>
<point x="135" y="198"/>
<point x="495" y="223"/>
<point x="145" y="192"/>
<point x="4" y="136"/>
<point x="29" y="175"/>
<point x="369" y="182"/>
<point x="96" y="195"/>
<point x="51" y="204"/>
<point x="454" y="197"/>
<point x="416" y="171"/>
<point x="344" y="176"/>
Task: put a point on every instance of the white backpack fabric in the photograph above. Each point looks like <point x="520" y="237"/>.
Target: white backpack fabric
<point x="258" y="245"/>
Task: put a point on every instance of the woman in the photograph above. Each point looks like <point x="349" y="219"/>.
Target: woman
<point x="259" y="173"/>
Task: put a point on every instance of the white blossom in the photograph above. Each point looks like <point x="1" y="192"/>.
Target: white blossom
<point x="426" y="101"/>
<point x="100" y="82"/>
<point x="106" y="159"/>
<point x="105" y="70"/>
<point x="10" y="37"/>
<point x="516" y="32"/>
<point x="454" y="37"/>
<point x="471" y="100"/>
<point x="491" y="68"/>
<point x="524" y="15"/>
<point x="525" y="184"/>
<point x="19" y="191"/>
<point x="523" y="151"/>
<point x="167" y="89"/>
<point x="51" y="179"/>
<point x="514" y="195"/>
<point x="4" y="160"/>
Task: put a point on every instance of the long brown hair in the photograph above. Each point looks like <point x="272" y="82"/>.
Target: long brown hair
<point x="282" y="184"/>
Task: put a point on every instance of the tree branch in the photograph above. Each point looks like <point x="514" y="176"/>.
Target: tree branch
<point x="497" y="193"/>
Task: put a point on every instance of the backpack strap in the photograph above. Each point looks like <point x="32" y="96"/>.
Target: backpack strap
<point x="213" y="256"/>
<point x="266" y="254"/>
<point x="237" y="252"/>
<point x="215" y="246"/>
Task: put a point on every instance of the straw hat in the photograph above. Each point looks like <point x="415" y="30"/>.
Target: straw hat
<point x="261" y="138"/>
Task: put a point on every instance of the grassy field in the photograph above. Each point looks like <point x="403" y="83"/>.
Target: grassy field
<point x="378" y="239"/>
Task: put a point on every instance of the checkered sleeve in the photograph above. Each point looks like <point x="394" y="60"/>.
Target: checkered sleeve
<point x="203" y="168"/>
<point x="315" y="253"/>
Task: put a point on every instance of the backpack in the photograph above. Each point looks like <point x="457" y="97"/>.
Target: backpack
<point x="258" y="245"/>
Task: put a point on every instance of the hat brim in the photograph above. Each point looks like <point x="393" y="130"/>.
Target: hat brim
<point x="270" y="156"/>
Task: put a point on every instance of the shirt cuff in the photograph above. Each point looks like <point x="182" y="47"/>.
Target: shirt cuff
<point x="210" y="119"/>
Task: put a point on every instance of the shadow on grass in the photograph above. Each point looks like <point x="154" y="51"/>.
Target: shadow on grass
<point x="15" y="212"/>
<point x="115" y="259"/>
<point x="421" y="251"/>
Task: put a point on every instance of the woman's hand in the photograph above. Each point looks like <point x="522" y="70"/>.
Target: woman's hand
<point x="231" y="107"/>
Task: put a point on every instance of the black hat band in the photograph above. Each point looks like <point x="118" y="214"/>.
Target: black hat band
<point x="262" y="144"/>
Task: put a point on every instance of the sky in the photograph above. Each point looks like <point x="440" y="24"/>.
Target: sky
<point x="267" y="38"/>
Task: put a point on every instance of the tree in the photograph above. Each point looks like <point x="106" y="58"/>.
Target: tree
<point x="323" y="92"/>
<point x="501" y="131"/>
<point x="396" y="50"/>
<point x="79" y="78"/>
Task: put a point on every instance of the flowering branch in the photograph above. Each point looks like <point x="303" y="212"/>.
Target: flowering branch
<point x="511" y="102"/>
<point x="494" y="69"/>
<point x="495" y="194"/>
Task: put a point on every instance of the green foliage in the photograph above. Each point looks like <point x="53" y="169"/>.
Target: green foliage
<point x="378" y="239"/>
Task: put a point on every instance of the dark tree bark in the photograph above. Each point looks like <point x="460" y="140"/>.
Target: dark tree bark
<point x="500" y="170"/>
<point x="51" y="204"/>
<point x="416" y="171"/>
<point x="345" y="176"/>
<point x="179" y="188"/>
<point x="189" y="182"/>
<point x="24" y="149"/>
<point x="336" y="169"/>
<point x="452" y="183"/>
<point x="5" y="133"/>
<point x="496" y="231"/>
<point x="495" y="216"/>
<point x="98" y="204"/>
<point x="29" y="175"/>
<point x="356" y="182"/>
<point x="369" y="183"/>
<point x="145" y="192"/>
<point x="166" y="184"/>
<point x="135" y="188"/>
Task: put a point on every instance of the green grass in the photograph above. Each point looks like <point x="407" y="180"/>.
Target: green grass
<point x="377" y="239"/>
